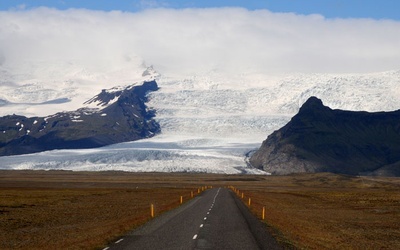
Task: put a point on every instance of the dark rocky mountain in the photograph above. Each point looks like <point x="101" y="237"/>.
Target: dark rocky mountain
<point x="122" y="116"/>
<point x="319" y="139"/>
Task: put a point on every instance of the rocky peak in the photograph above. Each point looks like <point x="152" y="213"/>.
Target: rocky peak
<point x="312" y="103"/>
<point x="313" y="106"/>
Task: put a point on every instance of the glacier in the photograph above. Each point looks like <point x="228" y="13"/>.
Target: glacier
<point x="139" y="156"/>
<point x="209" y="122"/>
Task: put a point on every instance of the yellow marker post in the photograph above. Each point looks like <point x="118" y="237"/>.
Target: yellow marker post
<point x="263" y="213"/>
<point x="152" y="210"/>
<point x="249" y="201"/>
<point x="191" y="194"/>
<point x="242" y="195"/>
<point x="181" y="199"/>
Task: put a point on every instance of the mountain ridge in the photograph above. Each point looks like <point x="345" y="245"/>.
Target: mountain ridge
<point x="320" y="139"/>
<point x="122" y="116"/>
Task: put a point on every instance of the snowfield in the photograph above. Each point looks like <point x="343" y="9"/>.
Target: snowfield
<point x="209" y="121"/>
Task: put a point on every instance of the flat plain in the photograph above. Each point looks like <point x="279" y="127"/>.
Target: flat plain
<point x="88" y="210"/>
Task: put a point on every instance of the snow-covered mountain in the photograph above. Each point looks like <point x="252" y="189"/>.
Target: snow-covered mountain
<point x="209" y="122"/>
<point x="243" y="108"/>
<point x="115" y="115"/>
<point x="41" y="88"/>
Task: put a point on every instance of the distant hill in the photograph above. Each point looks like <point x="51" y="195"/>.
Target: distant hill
<point x="113" y="116"/>
<point x="319" y="139"/>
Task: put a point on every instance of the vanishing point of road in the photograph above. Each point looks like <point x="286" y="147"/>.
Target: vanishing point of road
<point x="216" y="219"/>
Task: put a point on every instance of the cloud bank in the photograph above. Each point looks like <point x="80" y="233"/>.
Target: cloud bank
<point x="193" y="40"/>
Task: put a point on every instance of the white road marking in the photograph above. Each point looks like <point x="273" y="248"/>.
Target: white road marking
<point x="195" y="236"/>
<point x="205" y="218"/>
<point x="118" y="241"/>
<point x="201" y="225"/>
<point x="208" y="212"/>
<point x="106" y="248"/>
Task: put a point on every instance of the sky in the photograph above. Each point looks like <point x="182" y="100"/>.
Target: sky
<point x="269" y="37"/>
<point x="382" y="9"/>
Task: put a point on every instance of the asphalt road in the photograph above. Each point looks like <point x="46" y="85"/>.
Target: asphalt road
<point x="214" y="220"/>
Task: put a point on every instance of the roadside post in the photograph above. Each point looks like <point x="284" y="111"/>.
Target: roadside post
<point x="263" y="213"/>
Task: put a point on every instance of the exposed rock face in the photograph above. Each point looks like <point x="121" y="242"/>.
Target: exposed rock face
<point x="122" y="116"/>
<point x="319" y="139"/>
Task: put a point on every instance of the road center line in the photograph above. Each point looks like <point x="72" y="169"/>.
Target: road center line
<point x="205" y="218"/>
<point x="201" y="225"/>
<point x="195" y="236"/>
<point x="118" y="241"/>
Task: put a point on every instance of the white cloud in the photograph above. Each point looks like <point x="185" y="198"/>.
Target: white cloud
<point x="191" y="40"/>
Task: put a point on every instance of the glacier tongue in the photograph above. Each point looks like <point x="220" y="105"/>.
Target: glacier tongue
<point x="150" y="155"/>
<point x="210" y="121"/>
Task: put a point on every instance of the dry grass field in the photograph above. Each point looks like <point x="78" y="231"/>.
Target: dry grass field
<point x="82" y="210"/>
<point x="327" y="211"/>
<point x="66" y="210"/>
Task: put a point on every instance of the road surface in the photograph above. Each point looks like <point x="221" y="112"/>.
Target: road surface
<point x="214" y="220"/>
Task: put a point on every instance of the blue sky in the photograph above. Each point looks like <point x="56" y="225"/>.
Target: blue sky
<point x="376" y="9"/>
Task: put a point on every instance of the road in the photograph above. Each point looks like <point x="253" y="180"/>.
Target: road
<point x="214" y="220"/>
